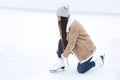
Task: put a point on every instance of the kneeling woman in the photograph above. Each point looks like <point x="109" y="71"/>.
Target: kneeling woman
<point x="75" y="39"/>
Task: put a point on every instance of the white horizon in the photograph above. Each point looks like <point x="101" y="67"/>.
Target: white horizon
<point x="97" y="6"/>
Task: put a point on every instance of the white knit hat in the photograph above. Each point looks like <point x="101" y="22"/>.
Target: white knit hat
<point x="63" y="11"/>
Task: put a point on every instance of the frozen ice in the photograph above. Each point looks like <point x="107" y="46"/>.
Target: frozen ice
<point x="28" y="43"/>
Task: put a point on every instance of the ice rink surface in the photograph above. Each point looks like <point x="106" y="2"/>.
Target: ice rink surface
<point x="28" y="44"/>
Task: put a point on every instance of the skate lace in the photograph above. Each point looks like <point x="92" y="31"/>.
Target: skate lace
<point x="57" y="63"/>
<point x="66" y="61"/>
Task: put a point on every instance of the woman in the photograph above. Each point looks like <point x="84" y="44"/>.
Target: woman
<point x="74" y="39"/>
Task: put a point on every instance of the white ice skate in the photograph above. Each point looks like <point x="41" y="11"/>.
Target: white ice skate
<point x="99" y="60"/>
<point x="60" y="65"/>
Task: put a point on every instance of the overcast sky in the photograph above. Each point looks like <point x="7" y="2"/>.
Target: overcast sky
<point x="105" y="6"/>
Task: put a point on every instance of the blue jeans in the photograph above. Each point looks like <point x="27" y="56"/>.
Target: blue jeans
<point x="84" y="67"/>
<point x="60" y="50"/>
<point x="81" y="67"/>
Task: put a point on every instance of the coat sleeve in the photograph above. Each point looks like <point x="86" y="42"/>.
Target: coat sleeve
<point x="72" y="37"/>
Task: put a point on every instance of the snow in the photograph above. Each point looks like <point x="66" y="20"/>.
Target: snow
<point x="28" y="43"/>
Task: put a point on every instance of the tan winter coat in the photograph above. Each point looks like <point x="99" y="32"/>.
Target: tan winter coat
<point x="79" y="42"/>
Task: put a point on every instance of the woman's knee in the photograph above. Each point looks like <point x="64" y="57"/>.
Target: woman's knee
<point x="84" y="67"/>
<point x="80" y="68"/>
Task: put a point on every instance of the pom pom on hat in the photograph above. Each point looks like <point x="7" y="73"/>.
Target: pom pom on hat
<point x="63" y="11"/>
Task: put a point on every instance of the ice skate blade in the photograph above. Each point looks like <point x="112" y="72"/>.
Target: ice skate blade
<point x="58" y="70"/>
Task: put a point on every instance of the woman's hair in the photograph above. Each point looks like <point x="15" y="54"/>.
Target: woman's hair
<point x="63" y="26"/>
